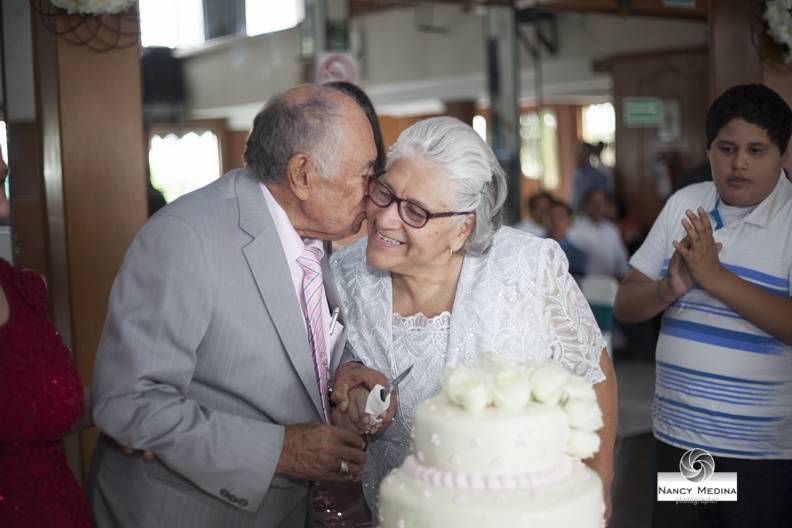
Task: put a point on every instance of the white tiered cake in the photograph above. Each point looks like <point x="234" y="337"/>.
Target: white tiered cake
<point x="501" y="446"/>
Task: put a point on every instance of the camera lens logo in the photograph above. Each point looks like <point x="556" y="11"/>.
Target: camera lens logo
<point x="696" y="465"/>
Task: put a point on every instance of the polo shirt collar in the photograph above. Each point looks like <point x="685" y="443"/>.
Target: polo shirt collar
<point x="765" y="211"/>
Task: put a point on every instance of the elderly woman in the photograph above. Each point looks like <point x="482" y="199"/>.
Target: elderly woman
<point x="438" y="279"/>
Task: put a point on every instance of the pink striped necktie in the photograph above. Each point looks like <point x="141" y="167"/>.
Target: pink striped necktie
<point x="313" y="292"/>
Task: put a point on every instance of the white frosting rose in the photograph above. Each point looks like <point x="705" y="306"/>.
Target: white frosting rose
<point x="584" y="415"/>
<point x="467" y="388"/>
<point x="511" y="389"/>
<point x="582" y="444"/>
<point x="548" y="382"/>
<point x="578" y="388"/>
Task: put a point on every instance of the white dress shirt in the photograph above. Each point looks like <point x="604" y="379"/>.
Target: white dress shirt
<point x="293" y="246"/>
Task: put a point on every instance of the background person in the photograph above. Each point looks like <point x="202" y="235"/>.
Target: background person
<point x="41" y="400"/>
<point x="598" y="237"/>
<point x="718" y="262"/>
<point x="538" y="206"/>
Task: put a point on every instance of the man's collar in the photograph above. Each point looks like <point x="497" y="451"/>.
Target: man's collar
<point x="290" y="240"/>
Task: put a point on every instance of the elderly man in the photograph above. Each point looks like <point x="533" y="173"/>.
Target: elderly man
<point x="223" y="332"/>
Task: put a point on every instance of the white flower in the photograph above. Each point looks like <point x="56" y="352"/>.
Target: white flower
<point x="511" y="389"/>
<point x="582" y="444"/>
<point x="94" y="7"/>
<point x="467" y="388"/>
<point x="548" y="382"/>
<point x="583" y="414"/>
<point x="578" y="388"/>
<point x="778" y="14"/>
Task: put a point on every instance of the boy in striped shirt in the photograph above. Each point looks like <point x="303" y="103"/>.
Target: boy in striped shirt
<point x="718" y="263"/>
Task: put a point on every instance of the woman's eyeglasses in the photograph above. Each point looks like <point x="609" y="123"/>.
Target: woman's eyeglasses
<point x="411" y="213"/>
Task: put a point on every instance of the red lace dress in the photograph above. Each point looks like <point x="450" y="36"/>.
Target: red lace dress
<point x="40" y="398"/>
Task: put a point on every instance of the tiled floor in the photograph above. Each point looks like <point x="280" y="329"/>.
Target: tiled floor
<point x="634" y="480"/>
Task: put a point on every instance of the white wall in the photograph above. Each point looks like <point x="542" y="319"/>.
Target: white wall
<point x="404" y="68"/>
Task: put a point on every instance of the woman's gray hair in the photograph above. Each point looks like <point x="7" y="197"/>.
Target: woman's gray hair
<point x="478" y="181"/>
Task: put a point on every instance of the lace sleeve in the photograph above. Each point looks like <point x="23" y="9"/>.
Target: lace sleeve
<point x="576" y="339"/>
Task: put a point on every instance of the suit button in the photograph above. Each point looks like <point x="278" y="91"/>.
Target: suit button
<point x="243" y="502"/>
<point x="224" y="493"/>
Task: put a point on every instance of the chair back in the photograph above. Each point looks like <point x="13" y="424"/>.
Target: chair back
<point x="600" y="292"/>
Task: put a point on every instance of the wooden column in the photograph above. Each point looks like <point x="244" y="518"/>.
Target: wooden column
<point x="462" y="110"/>
<point x="780" y="81"/>
<point x="732" y="56"/>
<point x="89" y="110"/>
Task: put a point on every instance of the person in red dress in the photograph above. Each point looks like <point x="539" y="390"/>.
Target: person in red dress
<point x="41" y="399"/>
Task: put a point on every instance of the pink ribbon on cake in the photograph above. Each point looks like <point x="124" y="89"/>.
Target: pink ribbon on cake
<point x="479" y="482"/>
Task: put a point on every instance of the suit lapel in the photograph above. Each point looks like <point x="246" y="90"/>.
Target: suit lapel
<point x="267" y="262"/>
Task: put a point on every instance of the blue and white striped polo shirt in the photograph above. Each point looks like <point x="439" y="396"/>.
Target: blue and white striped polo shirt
<point x="723" y="384"/>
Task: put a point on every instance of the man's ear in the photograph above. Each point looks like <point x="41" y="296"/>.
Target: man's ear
<point x="299" y="175"/>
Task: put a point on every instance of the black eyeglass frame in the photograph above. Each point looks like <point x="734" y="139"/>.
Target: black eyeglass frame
<point x="375" y="180"/>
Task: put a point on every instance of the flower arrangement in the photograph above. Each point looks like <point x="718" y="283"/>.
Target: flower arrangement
<point x="778" y="14"/>
<point x="94" y="7"/>
<point x="102" y="25"/>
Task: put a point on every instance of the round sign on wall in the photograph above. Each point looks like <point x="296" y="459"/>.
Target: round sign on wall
<point x="332" y="67"/>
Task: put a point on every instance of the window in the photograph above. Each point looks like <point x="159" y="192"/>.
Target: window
<point x="480" y="126"/>
<point x="171" y="23"/>
<point x="265" y="16"/>
<point x="183" y="162"/>
<point x="539" y="147"/>
<point x="599" y="124"/>
<point x="189" y="23"/>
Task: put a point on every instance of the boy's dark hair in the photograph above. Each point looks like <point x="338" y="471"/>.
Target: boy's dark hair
<point x="755" y="104"/>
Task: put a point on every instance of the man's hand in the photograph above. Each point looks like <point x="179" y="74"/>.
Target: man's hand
<point x="701" y="253"/>
<point x="315" y="451"/>
<point x="351" y="375"/>
<point x="356" y="419"/>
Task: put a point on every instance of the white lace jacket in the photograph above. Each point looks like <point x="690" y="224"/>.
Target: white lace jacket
<point x="517" y="301"/>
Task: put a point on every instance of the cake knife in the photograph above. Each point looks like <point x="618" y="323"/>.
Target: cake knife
<point x="379" y="398"/>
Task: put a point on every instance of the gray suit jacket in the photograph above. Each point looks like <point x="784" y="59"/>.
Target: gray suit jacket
<point x="203" y="360"/>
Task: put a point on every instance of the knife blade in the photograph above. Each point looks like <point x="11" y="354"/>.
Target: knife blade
<point x="395" y="382"/>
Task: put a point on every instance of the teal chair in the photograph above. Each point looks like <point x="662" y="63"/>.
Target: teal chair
<point x="600" y="292"/>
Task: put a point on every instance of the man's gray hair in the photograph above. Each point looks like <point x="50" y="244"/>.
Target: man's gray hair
<point x="284" y="128"/>
<point x="478" y="181"/>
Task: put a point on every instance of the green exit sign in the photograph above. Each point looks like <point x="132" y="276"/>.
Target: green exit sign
<point x="689" y="4"/>
<point x="642" y="111"/>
